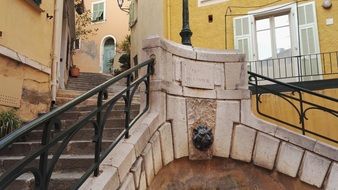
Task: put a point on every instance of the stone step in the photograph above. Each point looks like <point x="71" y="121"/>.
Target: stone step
<point x="110" y="123"/>
<point x="83" y="134"/>
<point x="115" y="114"/>
<point x="66" y="163"/>
<point x="91" y="101"/>
<point x="59" y="181"/>
<point x="74" y="147"/>
<point x="117" y="107"/>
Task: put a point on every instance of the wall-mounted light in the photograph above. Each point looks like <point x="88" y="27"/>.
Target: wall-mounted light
<point x="327" y="4"/>
<point x="120" y="4"/>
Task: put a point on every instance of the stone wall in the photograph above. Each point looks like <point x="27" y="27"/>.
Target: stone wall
<point x="193" y="87"/>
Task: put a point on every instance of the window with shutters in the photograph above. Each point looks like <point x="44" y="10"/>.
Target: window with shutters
<point x="98" y="11"/>
<point x="270" y="38"/>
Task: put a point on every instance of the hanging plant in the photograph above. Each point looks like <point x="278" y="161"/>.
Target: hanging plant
<point x="9" y="121"/>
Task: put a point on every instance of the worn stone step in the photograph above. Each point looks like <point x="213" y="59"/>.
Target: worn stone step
<point x="117" y="114"/>
<point x="110" y="123"/>
<point x="66" y="163"/>
<point x="91" y="101"/>
<point x="84" y="134"/>
<point x="59" y="181"/>
<point x="119" y="106"/>
<point x="74" y="147"/>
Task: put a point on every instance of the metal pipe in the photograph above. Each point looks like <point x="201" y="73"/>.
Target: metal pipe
<point x="185" y="32"/>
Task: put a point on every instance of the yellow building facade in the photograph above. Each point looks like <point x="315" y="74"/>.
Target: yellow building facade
<point x="33" y="53"/>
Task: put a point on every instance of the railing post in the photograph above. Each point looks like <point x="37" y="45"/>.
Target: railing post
<point x="98" y="132"/>
<point x="186" y="32"/>
<point x="127" y="107"/>
<point x="302" y="113"/>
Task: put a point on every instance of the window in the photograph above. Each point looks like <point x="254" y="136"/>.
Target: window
<point x="269" y="37"/>
<point x="77" y="44"/>
<point x="98" y="11"/>
<point x="37" y="2"/>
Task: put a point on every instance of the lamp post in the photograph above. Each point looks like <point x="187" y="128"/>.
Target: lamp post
<point x="186" y="32"/>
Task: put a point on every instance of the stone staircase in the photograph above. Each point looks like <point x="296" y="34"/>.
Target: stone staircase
<point x="79" y="153"/>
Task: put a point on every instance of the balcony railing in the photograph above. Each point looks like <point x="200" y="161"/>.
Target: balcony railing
<point x="298" y="68"/>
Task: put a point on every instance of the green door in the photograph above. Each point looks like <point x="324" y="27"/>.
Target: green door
<point x="108" y="55"/>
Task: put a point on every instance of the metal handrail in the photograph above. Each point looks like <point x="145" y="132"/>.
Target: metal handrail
<point x="301" y="106"/>
<point x="44" y="171"/>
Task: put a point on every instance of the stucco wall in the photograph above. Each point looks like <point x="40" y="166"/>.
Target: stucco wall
<point x="26" y="30"/>
<point x="116" y="25"/>
<point x="212" y="35"/>
<point x="35" y="88"/>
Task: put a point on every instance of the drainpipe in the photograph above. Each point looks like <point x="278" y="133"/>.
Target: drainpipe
<point x="57" y="33"/>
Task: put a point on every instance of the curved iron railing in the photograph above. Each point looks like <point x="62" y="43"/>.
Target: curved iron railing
<point x="42" y="173"/>
<point x="296" y="99"/>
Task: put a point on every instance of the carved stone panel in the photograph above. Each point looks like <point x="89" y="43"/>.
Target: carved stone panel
<point x="198" y="74"/>
<point x="200" y="112"/>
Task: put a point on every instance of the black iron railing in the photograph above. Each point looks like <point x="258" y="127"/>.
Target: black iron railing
<point x="298" y="68"/>
<point x="296" y="97"/>
<point x="97" y="118"/>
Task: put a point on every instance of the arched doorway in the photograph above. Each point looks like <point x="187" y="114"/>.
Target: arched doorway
<point x="108" y="54"/>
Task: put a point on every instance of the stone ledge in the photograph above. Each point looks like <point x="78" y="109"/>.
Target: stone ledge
<point x="326" y="150"/>
<point x="214" y="55"/>
<point x="199" y="93"/>
<point x="232" y="94"/>
<point x="295" y="138"/>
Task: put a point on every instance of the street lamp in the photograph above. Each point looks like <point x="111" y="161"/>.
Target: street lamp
<point x="186" y="32"/>
<point x="120" y="4"/>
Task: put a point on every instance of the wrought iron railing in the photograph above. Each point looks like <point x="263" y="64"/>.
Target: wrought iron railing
<point x="298" y="68"/>
<point x="97" y="118"/>
<point x="296" y="98"/>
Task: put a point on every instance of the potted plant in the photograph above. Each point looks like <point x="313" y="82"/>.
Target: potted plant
<point x="9" y="121"/>
<point x="74" y="71"/>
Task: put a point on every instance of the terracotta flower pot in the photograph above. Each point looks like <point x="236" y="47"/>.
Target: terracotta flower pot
<point x="74" y="71"/>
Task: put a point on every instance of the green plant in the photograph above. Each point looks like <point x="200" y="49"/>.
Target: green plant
<point x="9" y="121"/>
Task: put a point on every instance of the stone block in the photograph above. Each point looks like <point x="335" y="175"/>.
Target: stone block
<point x="173" y="88"/>
<point x="199" y="93"/>
<point x="314" y="169"/>
<point x="107" y="180"/>
<point x="157" y="153"/>
<point x="139" y="136"/>
<point x="178" y="49"/>
<point x="226" y="114"/>
<point x="151" y="42"/>
<point x="265" y="151"/>
<point x="177" y="65"/>
<point x="295" y="138"/>
<point x="148" y="163"/>
<point x="235" y="76"/>
<point x="243" y="143"/>
<point x="136" y="171"/>
<point x="166" y="143"/>
<point x="232" y="94"/>
<point x="218" y="55"/>
<point x="249" y="119"/>
<point x="198" y="74"/>
<point x="158" y="105"/>
<point x="332" y="181"/>
<point x="123" y="158"/>
<point x="128" y="183"/>
<point x="326" y="150"/>
<point x="289" y="159"/>
<point x="176" y="112"/>
<point x="143" y="181"/>
<point x="200" y="112"/>
<point x="219" y="77"/>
